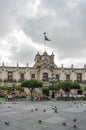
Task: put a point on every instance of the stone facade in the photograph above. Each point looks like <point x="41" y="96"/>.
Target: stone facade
<point x="43" y="69"/>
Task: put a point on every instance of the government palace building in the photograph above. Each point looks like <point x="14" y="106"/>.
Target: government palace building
<point x="43" y="68"/>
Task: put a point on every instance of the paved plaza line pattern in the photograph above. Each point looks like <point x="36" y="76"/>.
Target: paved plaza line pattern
<point x="21" y="117"/>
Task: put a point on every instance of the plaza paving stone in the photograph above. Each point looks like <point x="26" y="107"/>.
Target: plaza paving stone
<point x="20" y="116"/>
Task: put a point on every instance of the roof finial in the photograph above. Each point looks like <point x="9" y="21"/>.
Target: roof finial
<point x="3" y="64"/>
<point x="62" y="66"/>
<point x="71" y="65"/>
<point x="27" y="64"/>
<point x="17" y="64"/>
<point x="52" y="53"/>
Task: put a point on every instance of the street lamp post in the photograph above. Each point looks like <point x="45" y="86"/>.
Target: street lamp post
<point x="53" y="80"/>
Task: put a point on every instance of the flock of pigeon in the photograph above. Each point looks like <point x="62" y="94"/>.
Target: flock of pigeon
<point x="78" y="103"/>
<point x="55" y="109"/>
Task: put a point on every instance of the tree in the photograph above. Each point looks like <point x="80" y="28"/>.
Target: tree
<point x="83" y="88"/>
<point x="56" y="87"/>
<point x="67" y="86"/>
<point x="75" y="85"/>
<point x="45" y="90"/>
<point x="3" y="90"/>
<point x="32" y="84"/>
<point x="3" y="87"/>
<point x="19" y="88"/>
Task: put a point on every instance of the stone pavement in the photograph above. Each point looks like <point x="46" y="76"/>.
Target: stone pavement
<point x="25" y="116"/>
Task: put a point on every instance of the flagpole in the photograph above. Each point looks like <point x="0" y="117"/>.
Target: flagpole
<point x="44" y="42"/>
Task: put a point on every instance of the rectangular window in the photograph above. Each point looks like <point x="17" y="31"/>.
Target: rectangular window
<point x="79" y="77"/>
<point x="45" y="77"/>
<point x="21" y="76"/>
<point x="57" y="77"/>
<point x="10" y="76"/>
<point x="68" y="77"/>
<point x="32" y="76"/>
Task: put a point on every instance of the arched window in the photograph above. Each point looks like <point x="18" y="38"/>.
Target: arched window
<point x="45" y="76"/>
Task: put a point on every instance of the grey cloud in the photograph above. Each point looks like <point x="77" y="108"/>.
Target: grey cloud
<point x="63" y="20"/>
<point x="9" y="11"/>
<point x="23" y="55"/>
<point x="65" y="27"/>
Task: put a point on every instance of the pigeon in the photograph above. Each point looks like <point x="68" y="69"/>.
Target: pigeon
<point x="64" y="124"/>
<point x="6" y="123"/>
<point x="31" y="110"/>
<point x="44" y="110"/>
<point x="36" y="109"/>
<point x="55" y="107"/>
<point x="40" y="121"/>
<point x="55" y="111"/>
<point x="74" y="126"/>
<point x="74" y="120"/>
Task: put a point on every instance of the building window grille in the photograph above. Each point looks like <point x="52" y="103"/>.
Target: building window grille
<point x="79" y="76"/>
<point x="57" y="77"/>
<point x="45" y="76"/>
<point x="21" y="76"/>
<point x="68" y="77"/>
<point x="10" y="76"/>
<point x="32" y="76"/>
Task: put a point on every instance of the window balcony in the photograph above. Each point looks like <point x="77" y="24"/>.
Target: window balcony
<point x="67" y="80"/>
<point x="80" y="81"/>
<point x="10" y="80"/>
<point x="45" y="80"/>
<point x="21" y="80"/>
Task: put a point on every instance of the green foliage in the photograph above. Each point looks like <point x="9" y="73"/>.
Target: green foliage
<point x="54" y="87"/>
<point x="33" y="83"/>
<point x="75" y="85"/>
<point x="3" y="87"/>
<point x="59" y="85"/>
<point x="19" y="88"/>
<point x="45" y="88"/>
<point x="83" y="88"/>
<point x="67" y="86"/>
<point x="25" y="83"/>
<point x="51" y="87"/>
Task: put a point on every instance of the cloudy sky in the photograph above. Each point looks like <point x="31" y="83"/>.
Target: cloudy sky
<point x="23" y="22"/>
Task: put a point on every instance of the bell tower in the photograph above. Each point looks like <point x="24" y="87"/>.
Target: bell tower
<point x="44" y="61"/>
